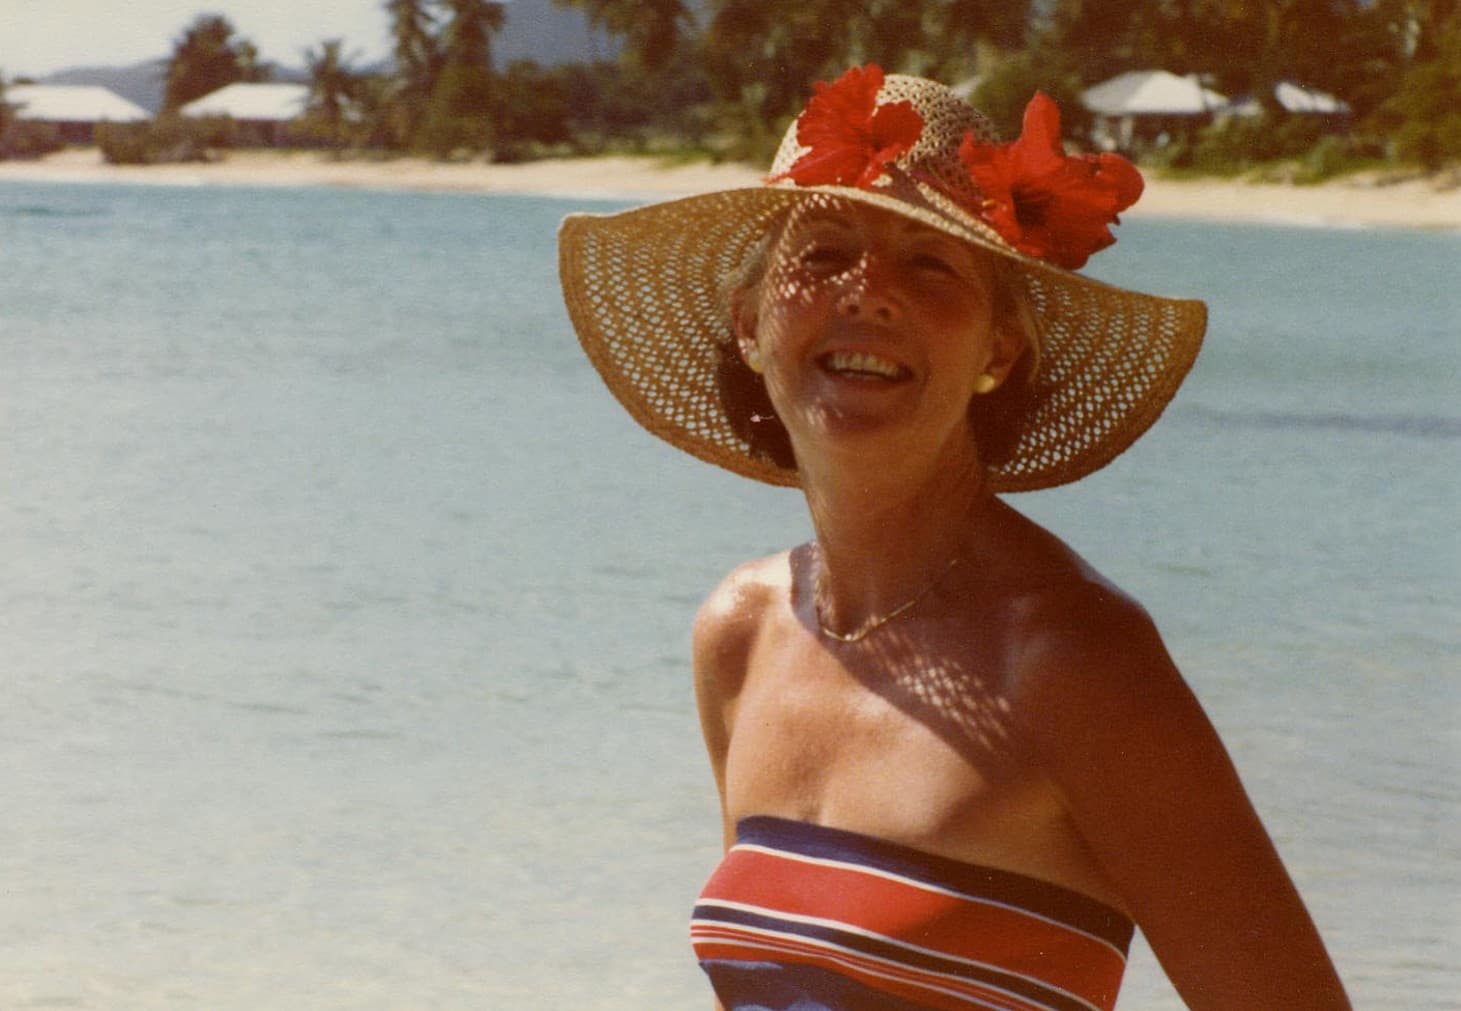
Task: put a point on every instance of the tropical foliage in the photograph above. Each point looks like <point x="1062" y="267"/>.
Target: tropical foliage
<point x="1424" y="113"/>
<point x="168" y="138"/>
<point x="417" y="53"/>
<point x="766" y="55"/>
<point x="458" y="111"/>
<point x="7" y="116"/>
<point x="21" y="138"/>
<point x="724" y="77"/>
<point x="333" y="114"/>
<point x="206" y="57"/>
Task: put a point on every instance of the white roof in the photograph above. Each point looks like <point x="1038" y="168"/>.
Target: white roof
<point x="72" y="103"/>
<point x="1297" y="98"/>
<point x="274" y="102"/>
<point x="1150" y="93"/>
<point x="965" y="89"/>
<point x="1292" y="98"/>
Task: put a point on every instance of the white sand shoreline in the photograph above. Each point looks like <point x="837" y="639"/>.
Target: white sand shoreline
<point x="1356" y="202"/>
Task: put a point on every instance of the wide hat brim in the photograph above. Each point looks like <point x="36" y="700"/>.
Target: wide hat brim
<point x="645" y="291"/>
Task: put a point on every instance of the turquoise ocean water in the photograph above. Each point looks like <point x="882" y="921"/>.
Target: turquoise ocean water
<point x="344" y="615"/>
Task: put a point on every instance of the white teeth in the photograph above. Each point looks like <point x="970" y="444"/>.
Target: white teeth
<point x="862" y="363"/>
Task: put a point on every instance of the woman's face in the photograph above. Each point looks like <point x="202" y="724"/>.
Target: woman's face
<point x="867" y="324"/>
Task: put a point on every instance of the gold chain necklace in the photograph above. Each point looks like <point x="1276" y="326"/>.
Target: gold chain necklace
<point x="877" y="621"/>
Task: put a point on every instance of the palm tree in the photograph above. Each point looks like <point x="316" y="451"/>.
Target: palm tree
<point x="418" y="62"/>
<point x="334" y="88"/>
<point x="459" y="114"/>
<point x="467" y="40"/>
<point x="207" y="57"/>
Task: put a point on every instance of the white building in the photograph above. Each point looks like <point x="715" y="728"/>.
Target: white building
<point x="1149" y="105"/>
<point x="266" y="108"/>
<point x="74" y="109"/>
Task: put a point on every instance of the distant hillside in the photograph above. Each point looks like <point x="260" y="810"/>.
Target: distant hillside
<point x="141" y="83"/>
<point x="535" y="30"/>
<point x="542" y="31"/>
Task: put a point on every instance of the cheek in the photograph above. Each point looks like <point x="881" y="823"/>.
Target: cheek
<point x="967" y="341"/>
<point x="787" y="314"/>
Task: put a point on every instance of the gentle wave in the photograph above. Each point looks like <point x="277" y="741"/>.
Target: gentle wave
<point x="42" y="211"/>
<point x="1422" y="425"/>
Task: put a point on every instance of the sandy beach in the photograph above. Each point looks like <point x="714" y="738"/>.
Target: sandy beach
<point x="1359" y="201"/>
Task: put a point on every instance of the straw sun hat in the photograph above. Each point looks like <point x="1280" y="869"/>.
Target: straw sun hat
<point x="646" y="288"/>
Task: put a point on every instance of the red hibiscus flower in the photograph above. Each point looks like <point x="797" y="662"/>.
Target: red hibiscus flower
<point x="852" y="138"/>
<point x="1044" y="203"/>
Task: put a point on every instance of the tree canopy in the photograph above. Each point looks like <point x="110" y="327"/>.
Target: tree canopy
<point x="206" y="57"/>
<point x="727" y="75"/>
<point x="334" y="92"/>
<point x="458" y="110"/>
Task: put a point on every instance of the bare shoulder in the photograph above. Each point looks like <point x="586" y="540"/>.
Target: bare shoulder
<point x="1077" y="627"/>
<point x="1091" y="666"/>
<point x="730" y="619"/>
<point x="1078" y="642"/>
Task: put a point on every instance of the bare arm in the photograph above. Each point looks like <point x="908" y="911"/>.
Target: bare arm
<point x="724" y="630"/>
<point x="1153" y="792"/>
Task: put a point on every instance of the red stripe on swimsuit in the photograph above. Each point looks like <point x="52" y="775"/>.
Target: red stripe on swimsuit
<point x="808" y="916"/>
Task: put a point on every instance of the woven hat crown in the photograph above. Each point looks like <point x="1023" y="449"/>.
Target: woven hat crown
<point x="947" y="120"/>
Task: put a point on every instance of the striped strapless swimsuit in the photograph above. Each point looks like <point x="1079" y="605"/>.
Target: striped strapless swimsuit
<point x="800" y="917"/>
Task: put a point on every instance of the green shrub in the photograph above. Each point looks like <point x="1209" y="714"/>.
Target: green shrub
<point x="459" y="114"/>
<point x="530" y="112"/>
<point x="742" y="132"/>
<point x="23" y="138"/>
<point x="1231" y="145"/>
<point x="1335" y="156"/>
<point x="168" y="138"/>
<point x="1423" y="114"/>
<point x="1177" y="155"/>
<point x="1295" y="135"/>
<point x="1238" y="143"/>
<point x="124" y="143"/>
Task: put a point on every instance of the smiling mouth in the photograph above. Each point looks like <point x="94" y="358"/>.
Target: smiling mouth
<point x="862" y="365"/>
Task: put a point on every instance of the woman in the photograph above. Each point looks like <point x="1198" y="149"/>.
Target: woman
<point x="956" y="766"/>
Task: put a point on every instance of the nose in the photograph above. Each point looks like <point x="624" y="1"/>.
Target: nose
<point x="866" y="294"/>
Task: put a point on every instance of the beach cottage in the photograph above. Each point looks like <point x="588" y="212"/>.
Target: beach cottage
<point x="264" y="112"/>
<point x="73" y="110"/>
<point x="1149" y="107"/>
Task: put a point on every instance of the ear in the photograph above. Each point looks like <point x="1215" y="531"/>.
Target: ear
<point x="1009" y="345"/>
<point x="743" y="325"/>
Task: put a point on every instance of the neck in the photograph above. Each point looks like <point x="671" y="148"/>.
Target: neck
<point x="884" y="539"/>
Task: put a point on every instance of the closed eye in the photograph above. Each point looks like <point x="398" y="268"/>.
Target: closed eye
<point x="825" y="259"/>
<point x="935" y="264"/>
